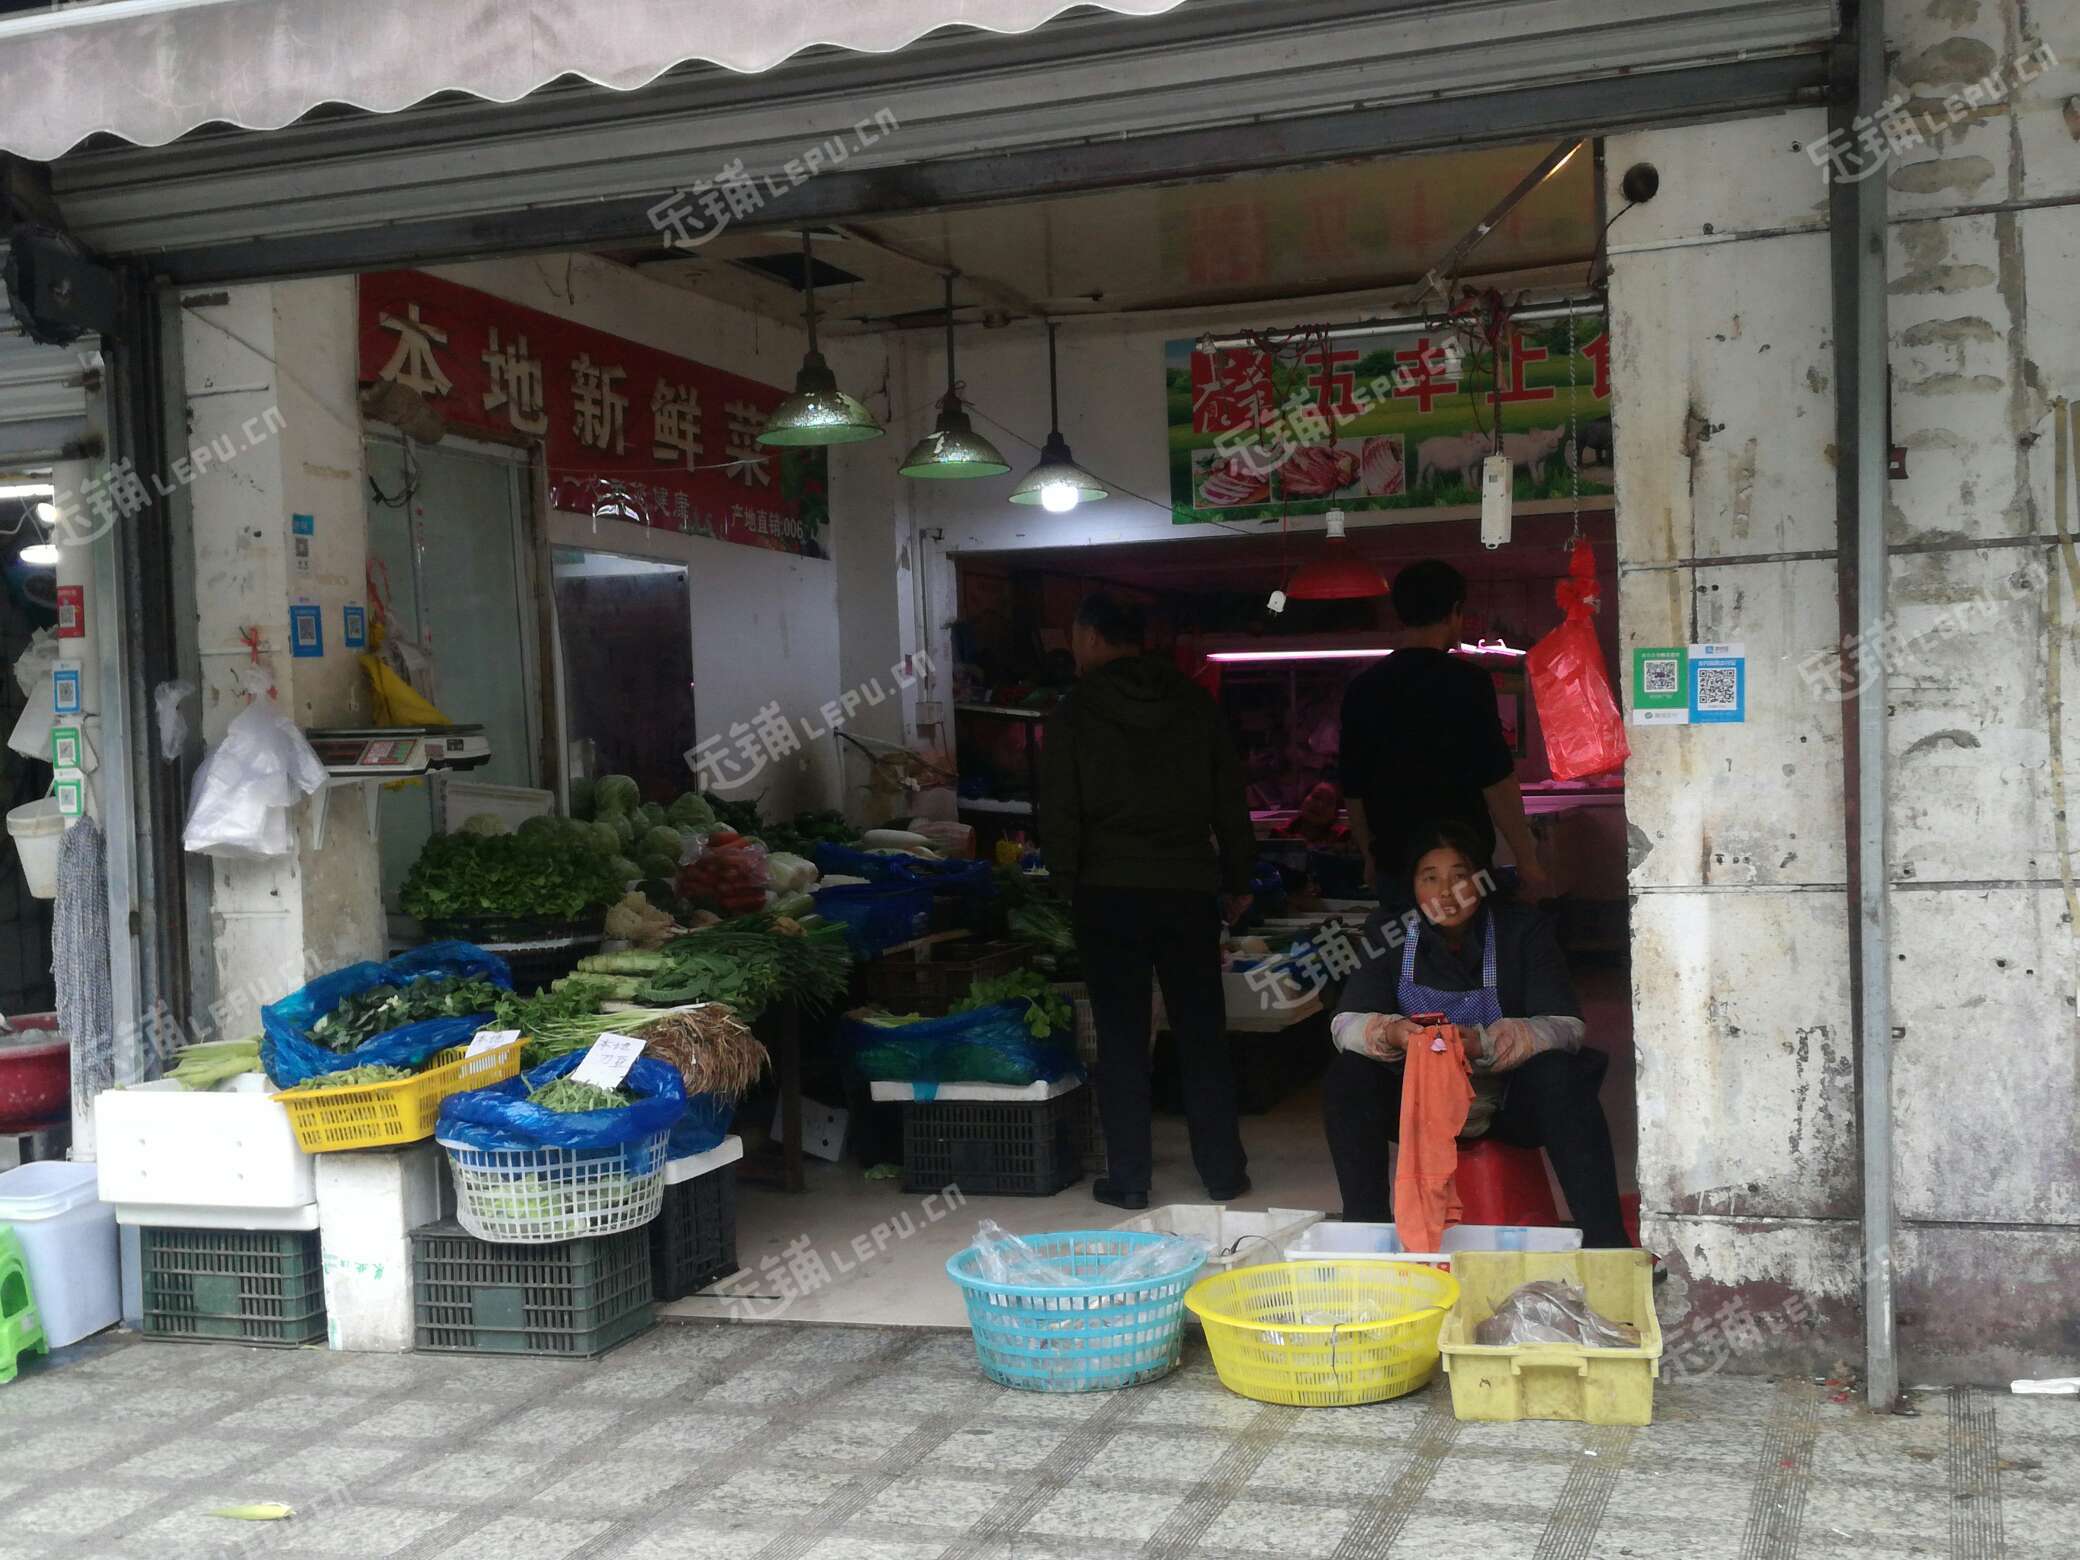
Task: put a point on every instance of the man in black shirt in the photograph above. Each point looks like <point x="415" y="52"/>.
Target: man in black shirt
<point x="1422" y="741"/>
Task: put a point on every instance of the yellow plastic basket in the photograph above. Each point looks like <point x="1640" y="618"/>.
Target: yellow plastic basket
<point x="1554" y="1380"/>
<point x="375" y="1115"/>
<point x="1277" y="1333"/>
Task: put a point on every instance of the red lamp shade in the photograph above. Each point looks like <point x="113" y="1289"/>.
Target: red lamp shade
<point x="1338" y="574"/>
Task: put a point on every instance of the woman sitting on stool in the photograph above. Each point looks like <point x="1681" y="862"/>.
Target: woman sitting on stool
<point x="1495" y="970"/>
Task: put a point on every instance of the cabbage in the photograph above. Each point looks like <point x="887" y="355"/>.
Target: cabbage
<point x="543" y="825"/>
<point x="616" y="794"/>
<point x="661" y="842"/>
<point x="651" y="814"/>
<point x="659" y="866"/>
<point x="483" y="823"/>
<point x="603" y="837"/>
<point x="582" y="797"/>
<point x="624" y="828"/>
<point x="691" y="811"/>
<point x="625" y="869"/>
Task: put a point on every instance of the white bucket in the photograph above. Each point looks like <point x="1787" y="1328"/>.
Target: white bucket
<point x="38" y="829"/>
<point x="68" y="1236"/>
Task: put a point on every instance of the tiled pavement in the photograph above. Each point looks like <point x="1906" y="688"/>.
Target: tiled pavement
<point x="706" y="1441"/>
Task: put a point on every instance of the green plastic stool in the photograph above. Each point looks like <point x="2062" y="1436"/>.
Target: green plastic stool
<point x="21" y="1330"/>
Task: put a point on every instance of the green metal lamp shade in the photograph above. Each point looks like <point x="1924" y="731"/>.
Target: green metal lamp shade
<point x="819" y="412"/>
<point x="1058" y="484"/>
<point x="954" y="449"/>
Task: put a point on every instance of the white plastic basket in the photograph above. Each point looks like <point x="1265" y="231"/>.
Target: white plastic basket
<point x="533" y="1196"/>
<point x="1382" y="1242"/>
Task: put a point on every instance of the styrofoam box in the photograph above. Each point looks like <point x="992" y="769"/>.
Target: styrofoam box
<point x="1239" y="1239"/>
<point x="1383" y="1242"/>
<point x="883" y="1089"/>
<point x="727" y="1152"/>
<point x="218" y="1159"/>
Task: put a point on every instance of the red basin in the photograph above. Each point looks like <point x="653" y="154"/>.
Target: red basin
<point x="35" y="1073"/>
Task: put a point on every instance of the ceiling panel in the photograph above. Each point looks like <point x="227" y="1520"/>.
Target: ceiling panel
<point x="1350" y="228"/>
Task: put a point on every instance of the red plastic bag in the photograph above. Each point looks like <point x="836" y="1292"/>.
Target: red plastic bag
<point x="1584" y="728"/>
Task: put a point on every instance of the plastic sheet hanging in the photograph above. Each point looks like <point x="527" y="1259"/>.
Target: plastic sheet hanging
<point x="250" y="780"/>
<point x="984" y="1045"/>
<point x="1584" y="728"/>
<point x="290" y="1055"/>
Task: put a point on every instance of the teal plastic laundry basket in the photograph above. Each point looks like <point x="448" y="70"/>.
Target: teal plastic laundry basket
<point x="1079" y="1338"/>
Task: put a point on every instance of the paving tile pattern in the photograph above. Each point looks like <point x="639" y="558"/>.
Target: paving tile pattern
<point x="729" y="1442"/>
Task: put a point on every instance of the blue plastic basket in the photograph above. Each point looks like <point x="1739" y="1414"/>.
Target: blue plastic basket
<point x="1084" y="1338"/>
<point x="876" y="915"/>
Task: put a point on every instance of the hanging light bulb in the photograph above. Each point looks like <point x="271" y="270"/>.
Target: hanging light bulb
<point x="953" y="448"/>
<point x="818" y="412"/>
<point x="1057" y="484"/>
<point x="1339" y="574"/>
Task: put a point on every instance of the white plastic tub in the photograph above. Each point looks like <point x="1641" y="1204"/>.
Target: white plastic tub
<point x="1238" y="1239"/>
<point x="1337" y="1239"/>
<point x="38" y="829"/>
<point x="68" y="1236"/>
<point x="221" y="1159"/>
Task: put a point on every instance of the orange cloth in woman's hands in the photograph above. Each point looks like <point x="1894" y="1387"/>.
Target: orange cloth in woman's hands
<point x="1435" y="1094"/>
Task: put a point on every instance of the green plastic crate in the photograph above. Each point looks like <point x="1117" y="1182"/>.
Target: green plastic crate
<point x="571" y="1299"/>
<point x="233" y="1286"/>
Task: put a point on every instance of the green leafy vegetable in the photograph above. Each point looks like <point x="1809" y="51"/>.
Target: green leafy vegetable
<point x="691" y="811"/>
<point x="568" y="1096"/>
<point x="1046" y="1012"/>
<point x="464" y="876"/>
<point x="616" y="794"/>
<point x="380" y="1009"/>
<point x="352" y="1077"/>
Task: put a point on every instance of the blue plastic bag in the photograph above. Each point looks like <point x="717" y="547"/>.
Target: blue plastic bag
<point x="290" y="1055"/>
<point x="834" y="860"/>
<point x="500" y="1117"/>
<point x="984" y="1045"/>
<point x="976" y="878"/>
<point x="704" y="1126"/>
<point x="877" y="915"/>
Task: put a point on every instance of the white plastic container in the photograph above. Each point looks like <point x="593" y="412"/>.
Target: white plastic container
<point x="68" y="1236"/>
<point x="38" y="829"/>
<point x="218" y="1159"/>
<point x="1337" y="1239"/>
<point x="1239" y="1239"/>
<point x="694" y="1166"/>
<point x="370" y="1200"/>
<point x="883" y="1089"/>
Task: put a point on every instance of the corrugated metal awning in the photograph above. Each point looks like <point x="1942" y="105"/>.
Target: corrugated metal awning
<point x="43" y="398"/>
<point x="149" y="71"/>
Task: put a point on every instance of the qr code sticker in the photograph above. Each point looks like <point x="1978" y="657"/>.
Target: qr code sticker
<point x="1718" y="688"/>
<point x="1659" y="676"/>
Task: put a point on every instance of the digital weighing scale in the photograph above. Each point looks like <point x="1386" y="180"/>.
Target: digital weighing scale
<point x="367" y="756"/>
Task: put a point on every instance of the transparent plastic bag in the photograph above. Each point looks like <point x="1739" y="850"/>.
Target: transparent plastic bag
<point x="246" y="786"/>
<point x="1552" y="1311"/>
<point x="1004" y="1258"/>
<point x="173" y="726"/>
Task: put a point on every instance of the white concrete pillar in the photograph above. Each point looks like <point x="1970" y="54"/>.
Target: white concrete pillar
<point x="274" y="432"/>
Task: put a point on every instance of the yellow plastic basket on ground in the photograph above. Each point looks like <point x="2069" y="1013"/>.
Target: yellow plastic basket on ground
<point x="1324" y="1334"/>
<point x="1554" y="1380"/>
<point x="375" y="1115"/>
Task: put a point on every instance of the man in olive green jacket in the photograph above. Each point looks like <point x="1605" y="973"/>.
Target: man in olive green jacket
<point x="1145" y="827"/>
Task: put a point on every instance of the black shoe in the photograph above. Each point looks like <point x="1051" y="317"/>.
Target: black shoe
<point x="1118" y="1196"/>
<point x="1230" y="1193"/>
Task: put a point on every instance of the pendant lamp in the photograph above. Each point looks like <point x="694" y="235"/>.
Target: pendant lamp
<point x="818" y="412"/>
<point x="1339" y="574"/>
<point x="1057" y="484"/>
<point x="953" y="448"/>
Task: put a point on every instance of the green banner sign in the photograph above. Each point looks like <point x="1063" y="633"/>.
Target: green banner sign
<point x="1394" y="420"/>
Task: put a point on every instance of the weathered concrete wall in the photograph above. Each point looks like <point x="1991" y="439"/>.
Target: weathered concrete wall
<point x="1721" y="318"/>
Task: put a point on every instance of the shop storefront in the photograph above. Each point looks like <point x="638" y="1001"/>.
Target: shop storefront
<point x="611" y="332"/>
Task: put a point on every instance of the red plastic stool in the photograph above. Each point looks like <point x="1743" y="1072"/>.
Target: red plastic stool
<point x="1502" y="1184"/>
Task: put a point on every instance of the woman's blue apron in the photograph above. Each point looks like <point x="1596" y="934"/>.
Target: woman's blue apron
<point x="1465" y="1008"/>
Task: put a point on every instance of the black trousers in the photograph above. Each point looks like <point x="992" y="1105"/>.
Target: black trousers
<point x="1125" y="936"/>
<point x="1550" y="1103"/>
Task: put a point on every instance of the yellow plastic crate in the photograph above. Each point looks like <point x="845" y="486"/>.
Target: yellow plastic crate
<point x="1554" y="1380"/>
<point x="1265" y="1348"/>
<point x="404" y="1110"/>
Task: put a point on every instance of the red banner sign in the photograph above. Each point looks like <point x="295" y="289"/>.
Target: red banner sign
<point x="628" y="432"/>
